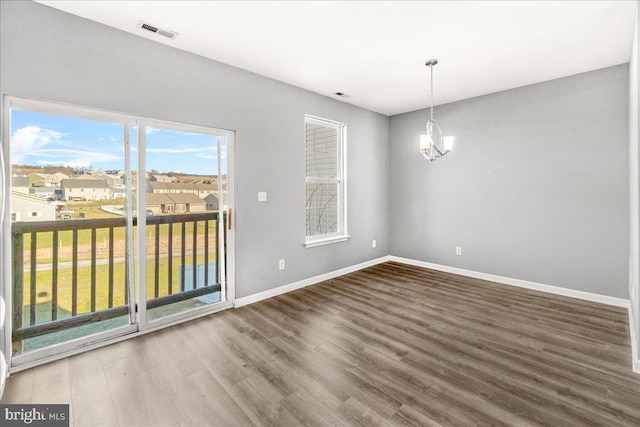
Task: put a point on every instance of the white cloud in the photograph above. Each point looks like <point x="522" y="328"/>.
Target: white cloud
<point x="75" y="158"/>
<point x="35" y="141"/>
<point x="211" y="156"/>
<point x="207" y="156"/>
<point x="30" y="139"/>
<point x="180" y="150"/>
<point x="50" y="163"/>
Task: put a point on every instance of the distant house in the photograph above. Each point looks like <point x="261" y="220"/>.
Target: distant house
<point x="187" y="202"/>
<point x="85" y="189"/>
<point x="160" y="178"/>
<point x="91" y="174"/>
<point x="170" y="187"/>
<point x="53" y="180"/>
<point x="30" y="208"/>
<point x="118" y="193"/>
<point x="20" y="184"/>
<point x="203" y="190"/>
<point x="162" y="203"/>
<point x="114" y="181"/>
<point x="37" y="179"/>
<point x="212" y="202"/>
<point x="159" y="203"/>
<point x="43" y="192"/>
<point x="200" y="190"/>
<point x="60" y="176"/>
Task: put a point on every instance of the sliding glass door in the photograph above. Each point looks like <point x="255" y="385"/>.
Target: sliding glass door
<point x="185" y="216"/>
<point x="69" y="257"/>
<point x="117" y="225"/>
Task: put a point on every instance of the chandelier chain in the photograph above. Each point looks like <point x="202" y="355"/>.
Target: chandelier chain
<point x="431" y="78"/>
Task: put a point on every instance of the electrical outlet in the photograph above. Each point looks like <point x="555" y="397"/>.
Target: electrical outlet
<point x="262" y="196"/>
<point x="373" y="244"/>
<point x="458" y="250"/>
<point x="281" y="264"/>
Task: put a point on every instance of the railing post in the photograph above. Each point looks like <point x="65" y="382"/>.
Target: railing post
<point x="32" y="279"/>
<point x="206" y="252"/>
<point x="217" y="245"/>
<point x="93" y="269"/>
<point x="182" y="257"/>
<point x="54" y="276"/>
<point x="170" y="259"/>
<point x="111" y="267"/>
<point x="194" y="253"/>
<point x="74" y="273"/>
<point x="18" y="286"/>
<point x="156" y="264"/>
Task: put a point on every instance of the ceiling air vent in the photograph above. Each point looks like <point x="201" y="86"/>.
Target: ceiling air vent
<point x="165" y="33"/>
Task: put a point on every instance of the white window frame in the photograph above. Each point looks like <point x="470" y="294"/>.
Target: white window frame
<point x="341" y="235"/>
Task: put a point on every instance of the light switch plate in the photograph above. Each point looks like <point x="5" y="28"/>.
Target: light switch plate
<point x="262" y="196"/>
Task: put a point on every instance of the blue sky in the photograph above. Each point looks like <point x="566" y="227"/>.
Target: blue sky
<point x="44" y="139"/>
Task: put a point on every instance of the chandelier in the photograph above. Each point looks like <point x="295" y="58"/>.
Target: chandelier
<point x="433" y="144"/>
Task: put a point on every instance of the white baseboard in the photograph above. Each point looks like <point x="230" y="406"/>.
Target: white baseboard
<point x="239" y="302"/>
<point x="635" y="357"/>
<point x="588" y="296"/>
<point x="604" y="299"/>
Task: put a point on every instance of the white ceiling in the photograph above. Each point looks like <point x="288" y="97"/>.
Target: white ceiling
<point x="375" y="50"/>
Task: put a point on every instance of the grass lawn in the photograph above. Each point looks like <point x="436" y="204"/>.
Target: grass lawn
<point x="44" y="288"/>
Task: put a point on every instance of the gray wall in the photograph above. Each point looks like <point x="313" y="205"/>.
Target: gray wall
<point x="537" y="187"/>
<point x="51" y="55"/>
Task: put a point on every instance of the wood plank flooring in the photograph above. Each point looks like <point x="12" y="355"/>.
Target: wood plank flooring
<point x="388" y="345"/>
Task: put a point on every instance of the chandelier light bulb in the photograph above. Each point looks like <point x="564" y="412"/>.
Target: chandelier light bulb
<point x="425" y="142"/>
<point x="447" y="143"/>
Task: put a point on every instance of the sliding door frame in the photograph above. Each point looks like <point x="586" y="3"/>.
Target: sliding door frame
<point x="227" y="278"/>
<point x="138" y="326"/>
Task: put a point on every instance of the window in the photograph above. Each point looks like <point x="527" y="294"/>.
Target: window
<point x="325" y="208"/>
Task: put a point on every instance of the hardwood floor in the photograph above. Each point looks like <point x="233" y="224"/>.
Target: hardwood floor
<point x="389" y="345"/>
